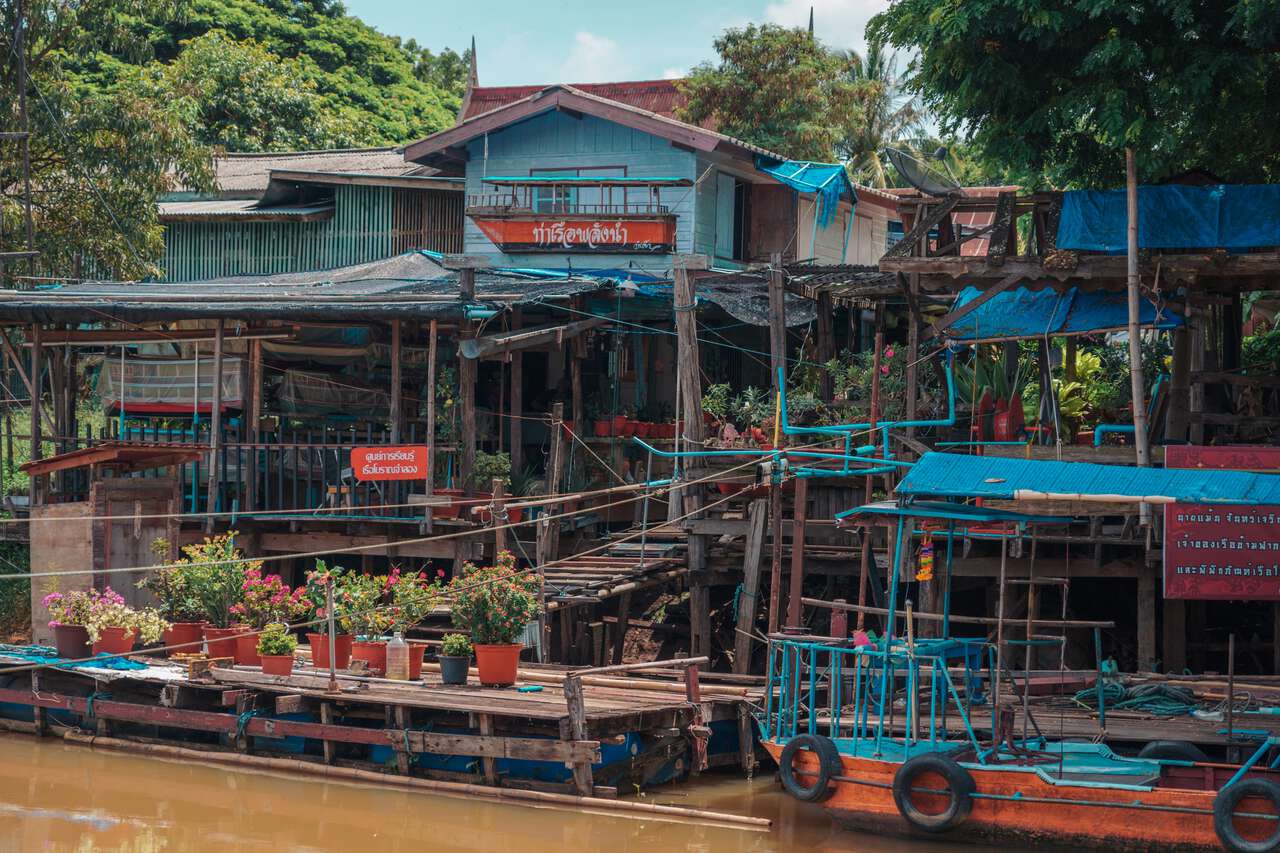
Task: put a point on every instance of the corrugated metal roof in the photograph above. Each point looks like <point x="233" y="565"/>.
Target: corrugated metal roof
<point x="655" y="96"/>
<point x="240" y="209"/>
<point x="957" y="475"/>
<point x="248" y="174"/>
<point x="938" y="509"/>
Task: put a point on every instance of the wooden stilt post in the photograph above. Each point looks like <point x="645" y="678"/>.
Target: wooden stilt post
<point x="1146" y="617"/>
<point x="1174" y="651"/>
<point x="395" y="417"/>
<point x="488" y="765"/>
<point x="547" y="547"/>
<point x="515" y="424"/>
<point x="1179" y="411"/>
<point x="748" y="596"/>
<point x="215" y="430"/>
<point x="799" y="518"/>
<point x="868" y="489"/>
<point x="467" y="385"/>
<point x="254" y="431"/>
<point x="432" y="343"/>
<point x="36" y="386"/>
<point x="778" y="366"/>
<point x="826" y="343"/>
<point x="620" y="627"/>
<point x="688" y="368"/>
<point x="499" y="521"/>
<point x="1135" y="342"/>
<point x="577" y="730"/>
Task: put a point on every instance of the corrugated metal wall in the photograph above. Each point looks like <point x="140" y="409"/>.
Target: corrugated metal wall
<point x="359" y="231"/>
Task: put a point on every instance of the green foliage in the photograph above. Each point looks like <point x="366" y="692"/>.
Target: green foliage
<point x="15" y="595"/>
<point x="494" y="603"/>
<point x="891" y="115"/>
<point x="1261" y="353"/>
<point x="780" y="89"/>
<point x="1057" y="90"/>
<point x="491" y="466"/>
<point x="275" y="640"/>
<point x="455" y="646"/>
<point x="178" y="602"/>
<point x="525" y="482"/>
<point x="717" y="400"/>
<point x="213" y="572"/>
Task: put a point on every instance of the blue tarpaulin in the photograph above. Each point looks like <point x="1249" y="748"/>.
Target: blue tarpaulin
<point x="1173" y="217"/>
<point x="1023" y="313"/>
<point x="829" y="180"/>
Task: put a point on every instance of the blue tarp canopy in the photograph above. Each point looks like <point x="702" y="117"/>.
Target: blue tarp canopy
<point x="963" y="476"/>
<point x="966" y="513"/>
<point x="1023" y="313"/>
<point x="1173" y="217"/>
<point x="829" y="180"/>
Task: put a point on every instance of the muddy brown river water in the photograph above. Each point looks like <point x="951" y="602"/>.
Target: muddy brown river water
<point x="58" y="797"/>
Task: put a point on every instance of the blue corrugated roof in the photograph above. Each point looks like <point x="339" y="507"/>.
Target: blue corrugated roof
<point x="1023" y="313"/>
<point x="956" y="475"/>
<point x="953" y="512"/>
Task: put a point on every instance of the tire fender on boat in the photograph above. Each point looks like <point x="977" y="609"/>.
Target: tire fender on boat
<point x="1224" y="807"/>
<point x="1173" y="750"/>
<point x="960" y="789"/>
<point x="829" y="766"/>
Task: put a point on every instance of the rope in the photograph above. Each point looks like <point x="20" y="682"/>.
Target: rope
<point x="88" y="709"/>
<point x="243" y="720"/>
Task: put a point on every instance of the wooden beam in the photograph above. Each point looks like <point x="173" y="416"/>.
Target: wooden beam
<point x="396" y="415"/>
<point x="215" y="428"/>
<point x="467" y="386"/>
<point x="432" y="346"/>
<point x="939" y="327"/>
<point x="515" y="425"/>
<point x="795" y="614"/>
<point x="753" y="556"/>
<point x="99" y="337"/>
<point x="503" y="343"/>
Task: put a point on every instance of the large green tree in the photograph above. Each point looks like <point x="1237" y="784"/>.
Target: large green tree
<point x="891" y="114"/>
<point x="99" y="156"/>
<point x="778" y="88"/>
<point x="1057" y="90"/>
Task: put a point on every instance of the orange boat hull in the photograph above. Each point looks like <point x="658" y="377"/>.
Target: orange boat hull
<point x="1043" y="814"/>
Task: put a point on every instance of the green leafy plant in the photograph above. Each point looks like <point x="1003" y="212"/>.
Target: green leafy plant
<point x="716" y="401"/>
<point x="213" y="572"/>
<point x="412" y="596"/>
<point x="316" y="594"/>
<point x="368" y="618"/>
<point x="275" y="639"/>
<point x="455" y="646"/>
<point x="178" y="602"/>
<point x="494" y="603"/>
<point x="490" y="466"/>
<point x="525" y="482"/>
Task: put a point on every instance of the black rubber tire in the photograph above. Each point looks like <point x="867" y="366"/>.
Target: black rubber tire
<point x="1224" y="806"/>
<point x="960" y="785"/>
<point x="829" y="766"/>
<point x="1173" y="750"/>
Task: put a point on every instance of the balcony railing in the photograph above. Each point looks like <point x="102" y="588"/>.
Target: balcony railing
<point x="508" y="204"/>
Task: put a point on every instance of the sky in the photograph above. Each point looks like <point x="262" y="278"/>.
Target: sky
<point x="524" y="42"/>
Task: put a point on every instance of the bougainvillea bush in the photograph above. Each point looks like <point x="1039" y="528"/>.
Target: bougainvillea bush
<point x="266" y="599"/>
<point x="494" y="603"/>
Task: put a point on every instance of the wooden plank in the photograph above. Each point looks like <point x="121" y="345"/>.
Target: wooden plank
<point x="620" y="628"/>
<point x="1146" y="618"/>
<point x="1004" y="233"/>
<point x="757" y="515"/>
<point x="326" y="719"/>
<point x="795" y="613"/>
<point x="940" y="327"/>
<point x="467" y="385"/>
<point x="577" y="731"/>
<point x="215" y="429"/>
<point x="920" y="230"/>
<point x="487" y="763"/>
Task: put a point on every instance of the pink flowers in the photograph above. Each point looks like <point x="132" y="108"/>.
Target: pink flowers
<point x="888" y="352"/>
<point x="268" y="599"/>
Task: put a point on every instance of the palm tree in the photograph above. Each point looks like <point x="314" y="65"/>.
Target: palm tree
<point x="892" y="115"/>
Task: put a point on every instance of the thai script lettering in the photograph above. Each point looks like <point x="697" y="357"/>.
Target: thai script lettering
<point x="571" y="234"/>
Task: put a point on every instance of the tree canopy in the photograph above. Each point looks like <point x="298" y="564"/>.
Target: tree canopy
<point x="1057" y="90"/>
<point x="778" y="88"/>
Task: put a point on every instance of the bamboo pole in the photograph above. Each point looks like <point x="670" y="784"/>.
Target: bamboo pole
<point x="625" y="808"/>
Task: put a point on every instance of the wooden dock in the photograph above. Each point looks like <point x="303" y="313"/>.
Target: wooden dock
<point x="583" y="732"/>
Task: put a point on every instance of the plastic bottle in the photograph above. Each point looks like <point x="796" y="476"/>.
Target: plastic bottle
<point x="398" y="658"/>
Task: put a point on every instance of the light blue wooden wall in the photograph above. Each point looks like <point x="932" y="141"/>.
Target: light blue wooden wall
<point x="554" y="140"/>
<point x="359" y="231"/>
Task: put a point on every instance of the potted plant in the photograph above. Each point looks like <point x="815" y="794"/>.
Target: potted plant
<point x="370" y="620"/>
<point x="413" y="597"/>
<point x="213" y="571"/>
<point x="114" y="627"/>
<point x="178" y="605"/>
<point x="493" y="604"/>
<point x="275" y="649"/>
<point x="68" y="613"/>
<point x="316" y="595"/>
<point x="264" y="600"/>
<point x="455" y="659"/>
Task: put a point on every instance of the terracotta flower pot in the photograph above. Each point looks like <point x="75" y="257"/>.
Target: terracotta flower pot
<point x="372" y="652"/>
<point x="277" y="664"/>
<point x="600" y="429"/>
<point x="115" y="641"/>
<point x="416" y="653"/>
<point x="186" y="634"/>
<point x="619" y="424"/>
<point x="247" y="650"/>
<point x="641" y="429"/>
<point x="320" y="650"/>
<point x="71" y="641"/>
<point x="447" y="511"/>
<point x="217" y="642"/>
<point x="453" y="669"/>
<point x="498" y="663"/>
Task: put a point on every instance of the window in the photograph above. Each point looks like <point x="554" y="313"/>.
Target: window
<point x="567" y="199"/>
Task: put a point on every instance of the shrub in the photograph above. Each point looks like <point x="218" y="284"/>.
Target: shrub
<point x="455" y="646"/>
<point x="494" y="603"/>
<point x="275" y="639"/>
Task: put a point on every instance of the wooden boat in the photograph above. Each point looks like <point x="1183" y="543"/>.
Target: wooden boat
<point x="889" y="767"/>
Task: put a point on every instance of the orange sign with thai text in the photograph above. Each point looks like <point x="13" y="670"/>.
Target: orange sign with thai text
<point x="580" y="234"/>
<point x="395" y="462"/>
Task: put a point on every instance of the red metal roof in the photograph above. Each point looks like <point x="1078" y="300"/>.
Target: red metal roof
<point x="656" y="96"/>
<point x="121" y="455"/>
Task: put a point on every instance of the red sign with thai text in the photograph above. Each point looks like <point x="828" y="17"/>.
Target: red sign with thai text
<point x="395" y="462"/>
<point x="1222" y="551"/>
<point x="580" y="234"/>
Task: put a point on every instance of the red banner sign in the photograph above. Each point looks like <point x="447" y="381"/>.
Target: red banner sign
<point x="396" y="462"/>
<point x="1222" y="551"/>
<point x="580" y="234"/>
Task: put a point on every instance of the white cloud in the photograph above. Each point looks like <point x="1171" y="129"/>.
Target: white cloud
<point x="594" y="58"/>
<point x="672" y="73"/>
<point x="839" y="23"/>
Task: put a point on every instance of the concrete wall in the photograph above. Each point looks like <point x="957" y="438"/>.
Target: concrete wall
<point x="64" y="544"/>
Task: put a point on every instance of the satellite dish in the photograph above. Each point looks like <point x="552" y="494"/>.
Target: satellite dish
<point x="928" y="173"/>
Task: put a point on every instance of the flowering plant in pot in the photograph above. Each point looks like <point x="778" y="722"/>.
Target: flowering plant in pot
<point x="370" y="620"/>
<point x="114" y="626"/>
<point x="275" y="647"/>
<point x="455" y="658"/>
<point x="177" y="604"/>
<point x="265" y="600"/>
<point x="316" y="594"/>
<point x="494" y="603"/>
<point x="214" y="572"/>
<point x="68" y="613"/>
<point x="412" y="596"/>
